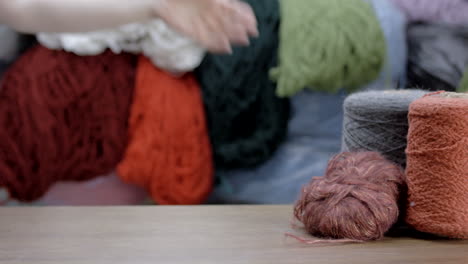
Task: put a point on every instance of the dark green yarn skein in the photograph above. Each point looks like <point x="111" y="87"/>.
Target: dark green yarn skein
<point x="246" y="120"/>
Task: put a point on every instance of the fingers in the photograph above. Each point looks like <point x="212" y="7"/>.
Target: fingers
<point x="215" y="24"/>
<point x="235" y="29"/>
<point x="248" y="18"/>
<point x="239" y="22"/>
<point x="211" y="35"/>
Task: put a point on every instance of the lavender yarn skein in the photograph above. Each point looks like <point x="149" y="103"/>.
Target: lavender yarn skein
<point x="445" y="11"/>
<point x="314" y="131"/>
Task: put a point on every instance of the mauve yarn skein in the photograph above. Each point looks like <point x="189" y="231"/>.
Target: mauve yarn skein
<point x="445" y="11"/>
<point x="357" y="199"/>
<point x="378" y="121"/>
<point x="62" y="118"/>
<point x="437" y="167"/>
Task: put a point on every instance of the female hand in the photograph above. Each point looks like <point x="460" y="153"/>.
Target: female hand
<point x="214" y="24"/>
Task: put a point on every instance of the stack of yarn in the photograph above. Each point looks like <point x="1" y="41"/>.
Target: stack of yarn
<point x="363" y="193"/>
<point x="124" y="102"/>
<point x="141" y="112"/>
<point x="314" y="129"/>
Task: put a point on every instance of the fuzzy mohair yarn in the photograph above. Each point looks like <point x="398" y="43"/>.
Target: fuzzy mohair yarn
<point x="445" y="11"/>
<point x="438" y="56"/>
<point x="246" y="120"/>
<point x="437" y="167"/>
<point x="357" y="199"/>
<point x="169" y="151"/>
<point x="62" y="118"/>
<point x="165" y="47"/>
<point x="326" y="45"/>
<point x="378" y="121"/>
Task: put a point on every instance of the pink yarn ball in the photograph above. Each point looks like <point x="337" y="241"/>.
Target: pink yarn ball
<point x="357" y="198"/>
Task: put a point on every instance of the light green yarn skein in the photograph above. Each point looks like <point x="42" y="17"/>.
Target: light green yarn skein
<point x="327" y="45"/>
<point x="463" y="87"/>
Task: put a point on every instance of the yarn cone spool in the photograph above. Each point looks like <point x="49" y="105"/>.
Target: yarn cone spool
<point x="378" y="121"/>
<point x="437" y="168"/>
<point x="169" y="152"/>
<point x="62" y="118"/>
<point x="356" y="200"/>
<point x="327" y="45"/>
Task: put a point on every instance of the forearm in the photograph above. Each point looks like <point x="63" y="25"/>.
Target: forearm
<point x="31" y="16"/>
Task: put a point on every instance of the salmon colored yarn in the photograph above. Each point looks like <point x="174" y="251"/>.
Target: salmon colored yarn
<point x="437" y="165"/>
<point x="62" y="118"/>
<point x="169" y="152"/>
<point x="356" y="200"/>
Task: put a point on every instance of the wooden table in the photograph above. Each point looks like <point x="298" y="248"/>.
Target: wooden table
<point x="206" y="234"/>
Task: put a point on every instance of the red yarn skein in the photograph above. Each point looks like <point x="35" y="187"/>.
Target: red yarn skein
<point x="169" y="151"/>
<point x="62" y="118"/>
<point x="357" y="199"/>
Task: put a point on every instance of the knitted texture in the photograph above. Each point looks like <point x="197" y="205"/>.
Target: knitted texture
<point x="246" y="119"/>
<point x="445" y="11"/>
<point x="437" y="168"/>
<point x="62" y="118"/>
<point x="166" y="48"/>
<point x="169" y="152"/>
<point x="327" y="45"/>
<point x="463" y="87"/>
<point x="438" y="56"/>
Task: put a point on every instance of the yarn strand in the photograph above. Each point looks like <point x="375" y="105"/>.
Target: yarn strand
<point x="323" y="241"/>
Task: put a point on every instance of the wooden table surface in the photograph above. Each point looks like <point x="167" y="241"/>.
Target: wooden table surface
<point x="205" y="234"/>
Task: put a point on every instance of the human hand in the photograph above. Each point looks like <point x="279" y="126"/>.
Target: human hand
<point x="214" y="24"/>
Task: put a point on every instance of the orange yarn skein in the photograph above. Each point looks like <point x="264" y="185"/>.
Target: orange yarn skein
<point x="437" y="165"/>
<point x="169" y="152"/>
